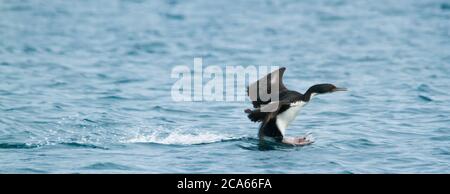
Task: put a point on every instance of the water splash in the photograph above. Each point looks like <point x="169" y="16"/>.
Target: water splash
<point x="178" y="136"/>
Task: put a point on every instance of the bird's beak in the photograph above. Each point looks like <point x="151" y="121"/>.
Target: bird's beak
<point x="339" y="89"/>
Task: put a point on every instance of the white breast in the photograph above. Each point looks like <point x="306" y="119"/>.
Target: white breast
<point x="286" y="117"/>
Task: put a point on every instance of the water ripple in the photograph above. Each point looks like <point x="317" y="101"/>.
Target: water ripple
<point x="106" y="166"/>
<point x="18" y="146"/>
<point x="79" y="83"/>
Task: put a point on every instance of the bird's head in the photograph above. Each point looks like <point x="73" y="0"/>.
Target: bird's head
<point x="324" y="88"/>
<point x="321" y="89"/>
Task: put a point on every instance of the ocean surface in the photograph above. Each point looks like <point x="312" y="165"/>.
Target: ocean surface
<point x="85" y="86"/>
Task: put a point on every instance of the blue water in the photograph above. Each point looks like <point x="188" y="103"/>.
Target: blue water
<point x="85" y="85"/>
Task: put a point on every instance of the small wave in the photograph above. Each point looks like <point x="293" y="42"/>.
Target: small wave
<point x="106" y="166"/>
<point x="127" y="80"/>
<point x="113" y="97"/>
<point x="31" y="170"/>
<point x="82" y="145"/>
<point x="425" y="98"/>
<point x="18" y="146"/>
<point x="38" y="145"/>
<point x="163" y="109"/>
<point x="361" y="142"/>
<point x="441" y="138"/>
<point x="445" y="6"/>
<point x="150" y="47"/>
<point x="179" y="137"/>
<point x="346" y="172"/>
<point x="173" y="16"/>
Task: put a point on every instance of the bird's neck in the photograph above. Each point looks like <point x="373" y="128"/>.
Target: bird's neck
<point x="308" y="95"/>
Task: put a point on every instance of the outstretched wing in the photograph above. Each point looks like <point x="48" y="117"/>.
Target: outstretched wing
<point x="266" y="84"/>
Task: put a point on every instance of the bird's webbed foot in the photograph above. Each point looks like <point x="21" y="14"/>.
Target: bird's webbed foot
<point x="298" y="141"/>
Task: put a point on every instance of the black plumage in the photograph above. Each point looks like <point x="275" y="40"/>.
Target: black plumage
<point x="266" y="111"/>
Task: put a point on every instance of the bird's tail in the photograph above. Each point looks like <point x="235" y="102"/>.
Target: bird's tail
<point x="255" y="115"/>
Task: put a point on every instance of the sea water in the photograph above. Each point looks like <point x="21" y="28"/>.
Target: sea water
<point x="85" y="86"/>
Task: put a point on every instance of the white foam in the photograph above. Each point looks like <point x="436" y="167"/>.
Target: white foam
<point x="177" y="137"/>
<point x="309" y="137"/>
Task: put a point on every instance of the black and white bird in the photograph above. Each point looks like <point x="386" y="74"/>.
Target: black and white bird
<point x="276" y="115"/>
